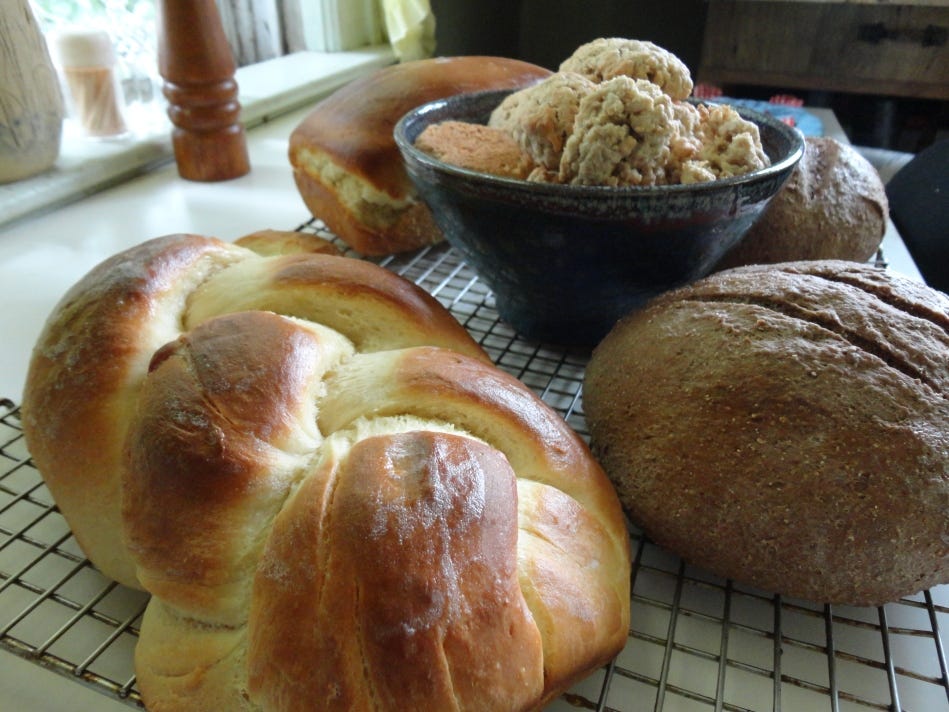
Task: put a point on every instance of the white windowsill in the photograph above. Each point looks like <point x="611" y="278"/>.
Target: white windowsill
<point x="266" y="90"/>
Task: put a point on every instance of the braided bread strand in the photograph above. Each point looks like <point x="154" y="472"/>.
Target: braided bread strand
<point x="333" y="497"/>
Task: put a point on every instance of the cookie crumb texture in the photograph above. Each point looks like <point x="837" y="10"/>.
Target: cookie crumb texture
<point x="616" y="113"/>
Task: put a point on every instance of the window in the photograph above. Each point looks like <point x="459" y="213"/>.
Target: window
<point x="259" y="29"/>
<point x="256" y="30"/>
<point x="131" y="26"/>
<point x="55" y="12"/>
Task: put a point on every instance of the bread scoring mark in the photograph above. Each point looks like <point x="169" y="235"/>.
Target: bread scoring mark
<point x="832" y="325"/>
<point x="916" y="309"/>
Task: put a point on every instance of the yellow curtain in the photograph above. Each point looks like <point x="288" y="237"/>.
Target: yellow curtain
<point x="410" y="27"/>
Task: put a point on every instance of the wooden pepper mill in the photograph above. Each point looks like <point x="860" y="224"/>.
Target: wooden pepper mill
<point x="195" y="61"/>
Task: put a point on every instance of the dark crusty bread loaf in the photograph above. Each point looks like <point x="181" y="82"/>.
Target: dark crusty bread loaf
<point x="833" y="206"/>
<point x="787" y="427"/>
<point x="345" y="162"/>
<point x="333" y="497"/>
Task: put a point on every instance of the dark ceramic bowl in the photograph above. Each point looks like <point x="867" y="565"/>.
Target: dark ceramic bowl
<point x="565" y="262"/>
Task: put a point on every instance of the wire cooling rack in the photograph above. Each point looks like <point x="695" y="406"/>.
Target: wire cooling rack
<point x="696" y="642"/>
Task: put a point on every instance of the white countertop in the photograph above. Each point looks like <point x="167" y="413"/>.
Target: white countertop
<point x="41" y="257"/>
<point x="268" y="89"/>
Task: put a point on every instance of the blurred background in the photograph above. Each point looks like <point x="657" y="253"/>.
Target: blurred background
<point x="882" y="66"/>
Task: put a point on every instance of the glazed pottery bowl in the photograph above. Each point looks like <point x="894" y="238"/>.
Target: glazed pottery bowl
<point x="564" y="261"/>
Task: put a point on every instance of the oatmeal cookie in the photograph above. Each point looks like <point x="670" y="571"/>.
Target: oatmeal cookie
<point x="608" y="57"/>
<point x="622" y="135"/>
<point x="540" y="117"/>
<point x="731" y="145"/>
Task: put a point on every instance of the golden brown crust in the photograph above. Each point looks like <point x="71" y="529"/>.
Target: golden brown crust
<point x="354" y="125"/>
<point x="483" y="400"/>
<point x="345" y="160"/>
<point x="93" y="353"/>
<point x="88" y="362"/>
<point x="326" y="487"/>
<point x="368" y="227"/>
<point x="286" y="242"/>
<point x="211" y="460"/>
<point x="413" y="590"/>
<point x="787" y="427"/>
<point x="373" y="307"/>
<point x="833" y="206"/>
<point x="560" y="488"/>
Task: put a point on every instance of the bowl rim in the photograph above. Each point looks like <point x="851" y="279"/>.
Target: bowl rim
<point x="409" y="150"/>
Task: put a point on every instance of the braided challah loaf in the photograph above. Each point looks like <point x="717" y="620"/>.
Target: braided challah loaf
<point x="334" y="498"/>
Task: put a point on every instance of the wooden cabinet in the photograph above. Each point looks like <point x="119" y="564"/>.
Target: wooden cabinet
<point x="866" y="47"/>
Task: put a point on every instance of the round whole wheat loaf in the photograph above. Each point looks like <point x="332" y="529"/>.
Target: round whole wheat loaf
<point x="786" y="427"/>
<point x="833" y="206"/>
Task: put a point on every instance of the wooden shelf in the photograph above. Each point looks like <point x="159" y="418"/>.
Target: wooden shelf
<point x="860" y="47"/>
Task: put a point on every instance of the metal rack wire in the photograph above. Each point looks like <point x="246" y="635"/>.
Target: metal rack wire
<point x="696" y="642"/>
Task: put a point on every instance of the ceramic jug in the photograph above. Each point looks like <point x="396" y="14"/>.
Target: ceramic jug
<point x="31" y="102"/>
